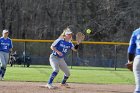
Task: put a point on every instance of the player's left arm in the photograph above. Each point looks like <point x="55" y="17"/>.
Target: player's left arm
<point x="75" y="47"/>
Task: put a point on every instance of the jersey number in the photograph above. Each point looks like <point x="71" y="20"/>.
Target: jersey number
<point x="64" y="50"/>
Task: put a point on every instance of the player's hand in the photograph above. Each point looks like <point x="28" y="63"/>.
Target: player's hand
<point x="78" y="42"/>
<point x="59" y="53"/>
<point x="80" y="37"/>
<point x="129" y="66"/>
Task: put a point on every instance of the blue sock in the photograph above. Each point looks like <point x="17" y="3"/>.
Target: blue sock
<point x="0" y="72"/>
<point x="3" y="71"/>
<point x="64" y="79"/>
<point x="53" y="75"/>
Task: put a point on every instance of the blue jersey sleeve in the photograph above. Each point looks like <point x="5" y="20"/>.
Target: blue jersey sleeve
<point x="56" y="42"/>
<point x="132" y="44"/>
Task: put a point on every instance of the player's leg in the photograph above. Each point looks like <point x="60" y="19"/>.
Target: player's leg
<point x="65" y="69"/>
<point x="54" y="64"/>
<point x="6" y="58"/>
<point x="136" y="70"/>
<point x="0" y="66"/>
<point x="3" y="64"/>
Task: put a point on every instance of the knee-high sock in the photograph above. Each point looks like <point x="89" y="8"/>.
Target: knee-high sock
<point x="53" y="75"/>
<point x="64" y="79"/>
<point x="3" y="71"/>
<point x="0" y="72"/>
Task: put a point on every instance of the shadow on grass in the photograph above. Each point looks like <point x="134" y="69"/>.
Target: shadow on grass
<point x="31" y="66"/>
<point x="74" y="67"/>
<point x="99" y="68"/>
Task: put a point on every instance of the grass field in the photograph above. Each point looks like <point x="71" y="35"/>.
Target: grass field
<point x="96" y="75"/>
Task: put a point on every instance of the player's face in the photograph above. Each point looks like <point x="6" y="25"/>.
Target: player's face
<point x="69" y="36"/>
<point x="6" y="34"/>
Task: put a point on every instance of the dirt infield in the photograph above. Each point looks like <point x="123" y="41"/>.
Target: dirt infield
<point x="35" y="87"/>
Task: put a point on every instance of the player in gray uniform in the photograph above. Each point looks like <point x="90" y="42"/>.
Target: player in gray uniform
<point x="60" y="48"/>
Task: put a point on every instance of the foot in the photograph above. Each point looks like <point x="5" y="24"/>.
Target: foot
<point x="65" y="85"/>
<point x="2" y="78"/>
<point x="50" y="86"/>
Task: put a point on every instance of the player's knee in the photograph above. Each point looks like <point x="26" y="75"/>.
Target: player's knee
<point x="3" y="66"/>
<point x="56" y="70"/>
<point x="67" y="74"/>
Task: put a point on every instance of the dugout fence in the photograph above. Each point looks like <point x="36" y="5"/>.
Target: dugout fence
<point x="96" y="54"/>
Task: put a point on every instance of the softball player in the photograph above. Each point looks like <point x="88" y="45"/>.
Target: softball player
<point x="134" y="54"/>
<point x="60" y="48"/>
<point x="5" y="47"/>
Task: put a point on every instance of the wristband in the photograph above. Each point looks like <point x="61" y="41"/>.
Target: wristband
<point x="76" y="46"/>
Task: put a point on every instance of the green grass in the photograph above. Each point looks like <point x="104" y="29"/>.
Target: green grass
<point x="96" y="75"/>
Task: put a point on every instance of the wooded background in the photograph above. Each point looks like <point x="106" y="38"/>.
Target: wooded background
<point x="109" y="20"/>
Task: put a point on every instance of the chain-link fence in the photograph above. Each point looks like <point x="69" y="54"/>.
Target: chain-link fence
<point x="96" y="55"/>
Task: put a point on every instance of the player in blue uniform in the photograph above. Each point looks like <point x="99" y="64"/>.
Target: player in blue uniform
<point x="5" y="48"/>
<point x="60" y="48"/>
<point x="134" y="56"/>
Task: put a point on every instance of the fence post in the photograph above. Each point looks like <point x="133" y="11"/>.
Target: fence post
<point x="24" y="54"/>
<point x="72" y="60"/>
<point x="115" y="64"/>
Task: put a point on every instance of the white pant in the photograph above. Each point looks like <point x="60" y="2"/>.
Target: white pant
<point x="4" y="57"/>
<point x="57" y="63"/>
<point x="136" y="71"/>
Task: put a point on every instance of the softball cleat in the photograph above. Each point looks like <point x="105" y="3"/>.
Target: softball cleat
<point x="50" y="86"/>
<point x="65" y="85"/>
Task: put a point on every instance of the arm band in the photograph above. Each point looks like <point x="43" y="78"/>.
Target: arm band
<point x="131" y="57"/>
<point x="76" y="46"/>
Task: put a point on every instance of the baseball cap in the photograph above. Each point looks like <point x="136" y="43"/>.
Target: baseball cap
<point x="5" y="31"/>
<point x="68" y="31"/>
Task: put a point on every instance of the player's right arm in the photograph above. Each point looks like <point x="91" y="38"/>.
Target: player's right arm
<point x="132" y="48"/>
<point x="58" y="52"/>
<point x="53" y="47"/>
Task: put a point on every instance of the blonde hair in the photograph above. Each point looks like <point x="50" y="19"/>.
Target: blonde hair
<point x="62" y="36"/>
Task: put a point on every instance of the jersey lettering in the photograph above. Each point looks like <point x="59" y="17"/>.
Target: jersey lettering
<point x="62" y="46"/>
<point x="64" y="50"/>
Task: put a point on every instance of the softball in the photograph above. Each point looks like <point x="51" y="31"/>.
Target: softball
<point x="88" y="31"/>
